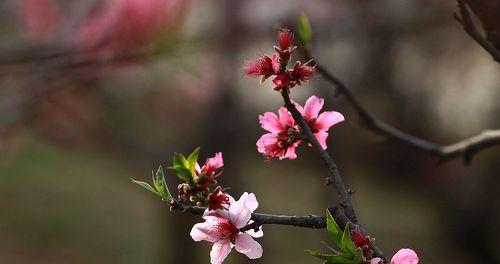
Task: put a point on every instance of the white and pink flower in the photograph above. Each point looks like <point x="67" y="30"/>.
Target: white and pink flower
<point x="319" y="123"/>
<point x="222" y="228"/>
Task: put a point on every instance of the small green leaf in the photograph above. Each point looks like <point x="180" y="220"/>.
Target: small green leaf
<point x="183" y="173"/>
<point x="161" y="184"/>
<point x="193" y="158"/>
<point x="333" y="229"/>
<point x="180" y="160"/>
<point x="347" y="243"/>
<point x="340" y="258"/>
<point x="146" y="186"/>
<point x="305" y="31"/>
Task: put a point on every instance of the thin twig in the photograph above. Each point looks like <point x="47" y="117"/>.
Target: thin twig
<point x="334" y="177"/>
<point x="466" y="148"/>
<point x="466" y="20"/>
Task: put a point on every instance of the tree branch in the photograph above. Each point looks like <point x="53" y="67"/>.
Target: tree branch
<point x="306" y="221"/>
<point x="466" y="148"/>
<point x="334" y="178"/>
<point x="466" y="20"/>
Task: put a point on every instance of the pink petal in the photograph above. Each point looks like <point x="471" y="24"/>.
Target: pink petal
<point x="245" y="244"/>
<point x="376" y="261"/>
<point x="405" y="256"/>
<point x="321" y="137"/>
<point x="205" y="231"/>
<point x="299" y="107"/>
<point x="252" y="232"/>
<point x="250" y="201"/>
<point x="313" y="106"/>
<point x="239" y="214"/>
<point x="285" y="117"/>
<point x="275" y="63"/>
<point x="328" y="119"/>
<point x="264" y="141"/>
<point x="220" y="250"/>
<point x="269" y="121"/>
<point x="290" y="153"/>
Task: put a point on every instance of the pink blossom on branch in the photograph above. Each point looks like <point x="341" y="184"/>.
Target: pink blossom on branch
<point x="222" y="228"/>
<point x="281" y="141"/>
<point x="319" y="123"/>
<point x="219" y="199"/>
<point x="403" y="256"/>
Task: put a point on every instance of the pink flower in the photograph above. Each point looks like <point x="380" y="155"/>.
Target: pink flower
<point x="319" y="123"/>
<point x="219" y="199"/>
<point x="263" y="66"/>
<point x="403" y="256"/>
<point x="39" y="18"/>
<point x="222" y="228"/>
<point x="126" y="24"/>
<point x="281" y="141"/>
<point x="302" y="72"/>
<point x="210" y="170"/>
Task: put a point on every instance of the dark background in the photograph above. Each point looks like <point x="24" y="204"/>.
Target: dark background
<point x="71" y="139"/>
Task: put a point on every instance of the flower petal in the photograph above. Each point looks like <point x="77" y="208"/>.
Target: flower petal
<point x="290" y="153"/>
<point x="250" y="201"/>
<point x="205" y="231"/>
<point x="328" y="119"/>
<point x="321" y="137"/>
<point x="405" y="256"/>
<point x="265" y="141"/>
<point x="245" y="244"/>
<point x="239" y="214"/>
<point x="313" y="106"/>
<point x="269" y="121"/>
<point x="285" y="117"/>
<point x="220" y="250"/>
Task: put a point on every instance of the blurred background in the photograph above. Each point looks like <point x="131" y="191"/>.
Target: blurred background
<point x="93" y="93"/>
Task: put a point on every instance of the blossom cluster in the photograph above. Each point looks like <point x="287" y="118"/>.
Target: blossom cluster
<point x="285" y="135"/>
<point x="265" y="66"/>
<point x="223" y="228"/>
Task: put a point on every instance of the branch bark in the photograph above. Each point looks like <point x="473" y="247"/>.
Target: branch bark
<point x="466" y="20"/>
<point x="466" y="148"/>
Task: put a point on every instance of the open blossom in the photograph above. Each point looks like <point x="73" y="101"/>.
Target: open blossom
<point x="403" y="256"/>
<point x="222" y="228"/>
<point x="219" y="199"/>
<point x="319" y="123"/>
<point x="281" y="141"/>
<point x="263" y="66"/>
<point x="302" y="72"/>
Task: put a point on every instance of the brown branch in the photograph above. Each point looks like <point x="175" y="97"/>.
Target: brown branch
<point x="334" y="178"/>
<point x="466" y="148"/>
<point x="306" y="221"/>
<point x="466" y="20"/>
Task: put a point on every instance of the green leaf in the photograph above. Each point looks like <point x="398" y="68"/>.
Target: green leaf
<point x="161" y="184"/>
<point x="180" y="160"/>
<point x="358" y="257"/>
<point x="183" y="173"/>
<point x="193" y="158"/>
<point x="347" y="244"/>
<point x="340" y="258"/>
<point x="305" y="31"/>
<point x="146" y="186"/>
<point x="333" y="229"/>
